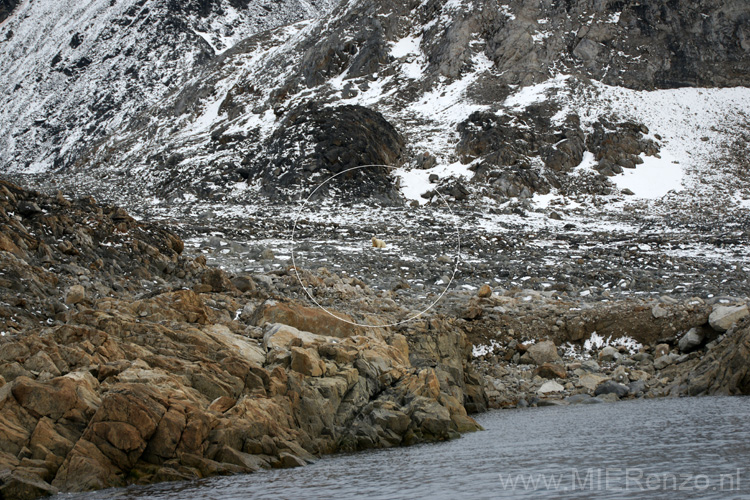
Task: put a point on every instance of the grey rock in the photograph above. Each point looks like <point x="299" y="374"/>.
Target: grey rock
<point x="642" y="356"/>
<point x="691" y="340"/>
<point x="591" y="366"/>
<point x="247" y="311"/>
<point x="595" y="401"/>
<point x="609" y="353"/>
<point x="551" y="402"/>
<point x="612" y="387"/>
<point x="607" y="398"/>
<point x="637" y="387"/>
<point x="587" y="49"/>
<point x="723" y="317"/>
<point x="543" y="352"/>
<point x="620" y="375"/>
<point x="578" y="398"/>
<point x="663" y="361"/>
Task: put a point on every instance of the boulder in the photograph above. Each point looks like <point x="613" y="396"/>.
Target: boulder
<point x="591" y="366"/>
<point x="307" y="362"/>
<point x="53" y="399"/>
<point x="620" y="375"/>
<point x="217" y="281"/>
<point x="591" y="381"/>
<point x="549" y="387"/>
<point x="551" y="371"/>
<point x="663" y="361"/>
<point x="691" y="340"/>
<point x="244" y="283"/>
<point x="637" y="387"/>
<point x="278" y="336"/>
<point x="543" y="352"/>
<point x="308" y="319"/>
<point x="75" y="294"/>
<point x="609" y="353"/>
<point x="612" y="387"/>
<point x="661" y="350"/>
<point x="723" y="317"/>
<point x="484" y="292"/>
<point x="658" y="311"/>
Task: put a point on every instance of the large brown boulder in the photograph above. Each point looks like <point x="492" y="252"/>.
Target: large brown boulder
<point x="308" y="319"/>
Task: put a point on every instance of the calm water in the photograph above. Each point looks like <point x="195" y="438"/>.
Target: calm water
<point x="669" y="448"/>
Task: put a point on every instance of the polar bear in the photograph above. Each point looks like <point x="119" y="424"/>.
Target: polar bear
<point x="376" y="243"/>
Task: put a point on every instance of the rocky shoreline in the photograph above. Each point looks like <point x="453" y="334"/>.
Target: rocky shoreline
<point x="125" y="361"/>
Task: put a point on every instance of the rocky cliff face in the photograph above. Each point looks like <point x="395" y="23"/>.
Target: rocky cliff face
<point x="123" y="362"/>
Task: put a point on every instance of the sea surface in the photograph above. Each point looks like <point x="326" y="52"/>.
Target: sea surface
<point x="657" y="448"/>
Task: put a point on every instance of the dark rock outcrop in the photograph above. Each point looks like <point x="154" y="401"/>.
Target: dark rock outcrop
<point x="725" y="369"/>
<point x="6" y="8"/>
<point x="313" y="142"/>
<point x="511" y="146"/>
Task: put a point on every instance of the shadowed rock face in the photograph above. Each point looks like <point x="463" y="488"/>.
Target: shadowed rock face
<point x="640" y="45"/>
<point x="724" y="370"/>
<point x="6" y="8"/>
<point x="506" y="146"/>
<point x="312" y="143"/>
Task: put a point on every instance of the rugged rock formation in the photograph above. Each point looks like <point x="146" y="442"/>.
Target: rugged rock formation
<point x="56" y="251"/>
<point x="111" y="384"/>
<point x="510" y="148"/>
<point x="312" y="143"/>
<point x="724" y="370"/>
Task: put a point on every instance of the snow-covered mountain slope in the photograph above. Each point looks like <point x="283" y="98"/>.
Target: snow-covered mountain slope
<point x="73" y="72"/>
<point x="589" y="146"/>
<point x="516" y="98"/>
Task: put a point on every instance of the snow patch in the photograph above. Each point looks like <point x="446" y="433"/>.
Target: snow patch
<point x="405" y="46"/>
<point x="596" y="341"/>
<point x="535" y="93"/>
<point x="416" y="182"/>
<point x="654" y="178"/>
<point x="482" y="350"/>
